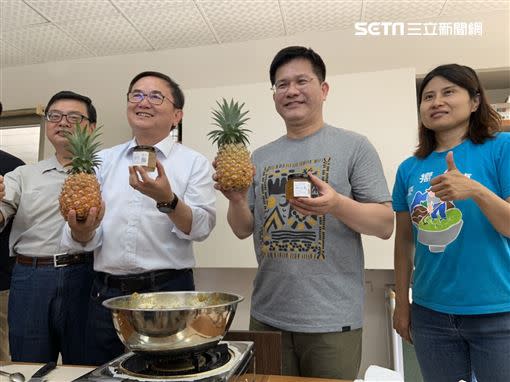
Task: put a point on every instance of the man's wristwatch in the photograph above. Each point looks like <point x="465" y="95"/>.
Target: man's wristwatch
<point x="167" y="207"/>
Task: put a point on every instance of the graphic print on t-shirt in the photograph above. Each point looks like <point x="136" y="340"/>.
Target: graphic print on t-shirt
<point x="285" y="232"/>
<point x="438" y="222"/>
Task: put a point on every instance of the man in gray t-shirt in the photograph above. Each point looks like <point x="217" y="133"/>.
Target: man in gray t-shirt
<point x="309" y="283"/>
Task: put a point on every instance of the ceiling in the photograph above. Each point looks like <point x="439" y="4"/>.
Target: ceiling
<point x="37" y="31"/>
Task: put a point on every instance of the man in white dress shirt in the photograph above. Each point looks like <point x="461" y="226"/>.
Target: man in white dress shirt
<point x="144" y="242"/>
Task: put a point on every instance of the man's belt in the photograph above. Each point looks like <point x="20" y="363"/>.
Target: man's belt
<point x="140" y="281"/>
<point x="58" y="260"/>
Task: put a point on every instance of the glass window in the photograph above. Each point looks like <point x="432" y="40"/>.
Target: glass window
<point x="22" y="142"/>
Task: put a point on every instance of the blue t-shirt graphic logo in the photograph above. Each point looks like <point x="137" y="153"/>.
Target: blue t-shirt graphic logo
<point x="438" y="222"/>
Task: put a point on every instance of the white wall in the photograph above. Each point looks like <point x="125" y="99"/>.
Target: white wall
<point x="498" y="95"/>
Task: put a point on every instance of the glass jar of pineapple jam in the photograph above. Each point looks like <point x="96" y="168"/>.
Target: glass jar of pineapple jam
<point x="298" y="186"/>
<point x="145" y="156"/>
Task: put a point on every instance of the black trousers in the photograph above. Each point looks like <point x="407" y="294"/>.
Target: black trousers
<point x="103" y="344"/>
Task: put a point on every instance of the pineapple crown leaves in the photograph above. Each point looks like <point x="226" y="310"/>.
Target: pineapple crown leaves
<point x="230" y="117"/>
<point x="83" y="146"/>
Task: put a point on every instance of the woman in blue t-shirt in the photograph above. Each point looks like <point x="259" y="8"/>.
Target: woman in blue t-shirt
<point x="452" y="201"/>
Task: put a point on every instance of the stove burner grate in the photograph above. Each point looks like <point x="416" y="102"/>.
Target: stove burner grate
<point x="142" y="365"/>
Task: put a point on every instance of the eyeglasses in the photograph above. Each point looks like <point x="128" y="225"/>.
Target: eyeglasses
<point x="283" y="86"/>
<point x="56" y="116"/>
<point x="155" y="98"/>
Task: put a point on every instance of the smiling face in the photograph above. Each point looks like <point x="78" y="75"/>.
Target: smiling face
<point x="446" y="106"/>
<point x="55" y="131"/>
<point x="299" y="94"/>
<point x="152" y="123"/>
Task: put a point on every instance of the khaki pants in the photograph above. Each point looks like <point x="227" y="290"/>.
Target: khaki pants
<point x="4" y="329"/>
<point x="319" y="355"/>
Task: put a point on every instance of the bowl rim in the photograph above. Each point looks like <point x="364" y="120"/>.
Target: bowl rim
<point x="107" y="303"/>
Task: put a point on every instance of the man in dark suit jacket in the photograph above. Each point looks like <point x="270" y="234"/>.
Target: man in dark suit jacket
<point x="8" y="163"/>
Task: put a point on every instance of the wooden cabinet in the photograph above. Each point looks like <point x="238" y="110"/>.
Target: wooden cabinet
<point x="268" y="349"/>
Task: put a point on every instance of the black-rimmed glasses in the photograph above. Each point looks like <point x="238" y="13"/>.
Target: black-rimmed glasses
<point x="56" y="116"/>
<point x="155" y="98"/>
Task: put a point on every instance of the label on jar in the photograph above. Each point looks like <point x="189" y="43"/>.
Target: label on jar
<point x="302" y="189"/>
<point x="141" y="158"/>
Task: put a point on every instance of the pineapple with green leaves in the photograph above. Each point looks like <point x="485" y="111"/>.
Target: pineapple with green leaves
<point x="81" y="191"/>
<point x="234" y="169"/>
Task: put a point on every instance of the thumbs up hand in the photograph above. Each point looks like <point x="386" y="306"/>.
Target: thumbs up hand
<point x="453" y="185"/>
<point x="450" y="162"/>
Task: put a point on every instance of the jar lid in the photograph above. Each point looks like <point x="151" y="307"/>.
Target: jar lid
<point x="144" y="147"/>
<point x="301" y="175"/>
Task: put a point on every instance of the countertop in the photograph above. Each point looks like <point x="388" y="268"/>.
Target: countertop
<point x="69" y="373"/>
<point x="59" y="374"/>
<point x="283" y="378"/>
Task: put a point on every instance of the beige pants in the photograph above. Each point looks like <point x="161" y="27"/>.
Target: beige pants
<point x="318" y="355"/>
<point x="4" y="329"/>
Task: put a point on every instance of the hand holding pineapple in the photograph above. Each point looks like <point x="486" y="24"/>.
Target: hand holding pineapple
<point x="81" y="191"/>
<point x="234" y="170"/>
<point x="83" y="231"/>
<point x="80" y="199"/>
<point x="232" y="195"/>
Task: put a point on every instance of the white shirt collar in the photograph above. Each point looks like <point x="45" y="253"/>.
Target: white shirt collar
<point x="164" y="146"/>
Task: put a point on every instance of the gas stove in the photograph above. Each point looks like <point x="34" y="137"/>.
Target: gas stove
<point x="227" y="361"/>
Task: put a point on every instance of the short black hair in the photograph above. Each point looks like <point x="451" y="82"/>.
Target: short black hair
<point x="67" y="94"/>
<point x="174" y="86"/>
<point x="298" y="52"/>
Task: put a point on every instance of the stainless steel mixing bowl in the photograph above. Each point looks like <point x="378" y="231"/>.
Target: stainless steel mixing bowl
<point x="172" y="322"/>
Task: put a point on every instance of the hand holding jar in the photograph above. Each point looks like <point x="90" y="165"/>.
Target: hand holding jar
<point x="323" y="198"/>
<point x="158" y="188"/>
<point x="298" y="186"/>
